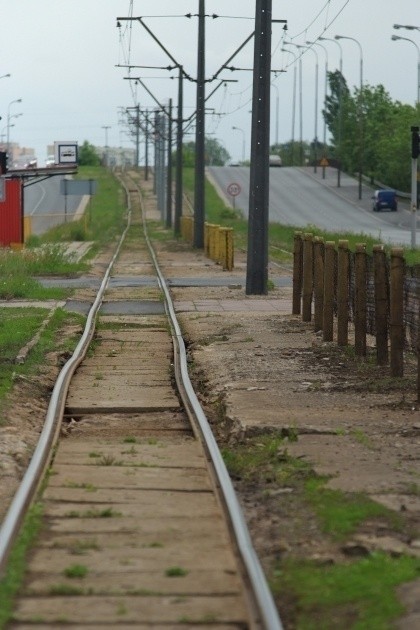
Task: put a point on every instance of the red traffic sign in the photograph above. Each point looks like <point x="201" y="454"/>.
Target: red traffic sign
<point x="234" y="189"/>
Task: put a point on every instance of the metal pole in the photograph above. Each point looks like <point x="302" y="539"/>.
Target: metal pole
<point x="300" y="112"/>
<point x="361" y="149"/>
<point x="146" y="153"/>
<point x="324" y="133"/>
<point x="156" y="154"/>
<point x="178" y="175"/>
<point x="316" y="104"/>
<point x="257" y="259"/>
<point x="162" y="131"/>
<point x="414" y="141"/>
<point x="137" y="135"/>
<point x="327" y="39"/>
<point x="199" y="199"/>
<point x="169" y="171"/>
<point x="292" y="158"/>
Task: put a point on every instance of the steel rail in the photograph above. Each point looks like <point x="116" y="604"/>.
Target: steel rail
<point x="42" y="454"/>
<point x="264" y="599"/>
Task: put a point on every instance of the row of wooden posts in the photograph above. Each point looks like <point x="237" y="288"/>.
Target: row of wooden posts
<point x="316" y="266"/>
<point x="218" y="241"/>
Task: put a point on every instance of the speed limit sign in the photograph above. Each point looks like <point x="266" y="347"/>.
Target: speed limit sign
<point x="234" y="189"/>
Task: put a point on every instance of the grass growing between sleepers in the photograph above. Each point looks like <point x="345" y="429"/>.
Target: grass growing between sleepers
<point x="17" y="328"/>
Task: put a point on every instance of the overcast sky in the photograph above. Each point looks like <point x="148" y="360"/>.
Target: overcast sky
<point x="62" y="57"/>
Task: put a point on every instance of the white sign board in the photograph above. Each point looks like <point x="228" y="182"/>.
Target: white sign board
<point x="65" y="152"/>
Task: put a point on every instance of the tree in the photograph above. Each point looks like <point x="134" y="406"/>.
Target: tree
<point x="370" y="130"/>
<point x="88" y="155"/>
<point x="215" y="153"/>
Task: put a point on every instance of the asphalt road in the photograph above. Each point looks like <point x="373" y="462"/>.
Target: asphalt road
<point x="300" y="197"/>
<point x="46" y="206"/>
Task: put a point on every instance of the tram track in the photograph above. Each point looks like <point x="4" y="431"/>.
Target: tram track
<point x="141" y="523"/>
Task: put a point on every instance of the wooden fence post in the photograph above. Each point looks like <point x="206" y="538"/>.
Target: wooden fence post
<point x="381" y="304"/>
<point x="328" y="313"/>
<point x="297" y="272"/>
<point x="397" y="312"/>
<point x="307" y="279"/>
<point x="319" y="252"/>
<point x="343" y="294"/>
<point x="360" y="297"/>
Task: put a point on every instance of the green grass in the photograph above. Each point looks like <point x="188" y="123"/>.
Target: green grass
<point x="359" y="595"/>
<point x="76" y="571"/>
<point x="356" y="594"/>
<point x="340" y="514"/>
<point x="11" y="582"/>
<point x="176" y="572"/>
<point x="46" y="255"/>
<point x="17" y="328"/>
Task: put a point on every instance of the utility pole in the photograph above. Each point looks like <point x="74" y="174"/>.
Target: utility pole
<point x="137" y="135"/>
<point x="199" y="211"/>
<point x="415" y="151"/>
<point x="146" y="153"/>
<point x="257" y="259"/>
<point x="179" y="155"/>
<point x="169" y="175"/>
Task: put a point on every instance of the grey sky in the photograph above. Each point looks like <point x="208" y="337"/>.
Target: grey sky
<point x="62" y="58"/>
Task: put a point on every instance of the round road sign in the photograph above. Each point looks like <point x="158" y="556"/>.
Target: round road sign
<point x="234" y="189"/>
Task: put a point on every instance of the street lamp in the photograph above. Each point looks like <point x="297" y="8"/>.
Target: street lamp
<point x="316" y="102"/>
<point x="327" y="39"/>
<point x="300" y="103"/>
<point x="3" y="76"/>
<point x="277" y="111"/>
<point x="324" y="135"/>
<point x="292" y="152"/>
<point x="18" y="100"/>
<point x="360" y="108"/>
<point x="397" y="37"/>
<point x="409" y="27"/>
<point x="243" y="141"/>
<point x="106" y="127"/>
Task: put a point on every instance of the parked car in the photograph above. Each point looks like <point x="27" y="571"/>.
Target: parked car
<point x="384" y="199"/>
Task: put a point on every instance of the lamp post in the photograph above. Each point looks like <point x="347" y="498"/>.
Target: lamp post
<point x="9" y="126"/>
<point x="277" y="111"/>
<point x="324" y="134"/>
<point x="292" y="152"/>
<point x="3" y="134"/>
<point x="327" y="39"/>
<point x="397" y="37"/>
<point x="18" y="100"/>
<point x="316" y="103"/>
<point x="360" y="108"/>
<point x="106" y="127"/>
<point x="300" y="107"/>
<point x="409" y="27"/>
<point x="3" y="76"/>
<point x="243" y="141"/>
